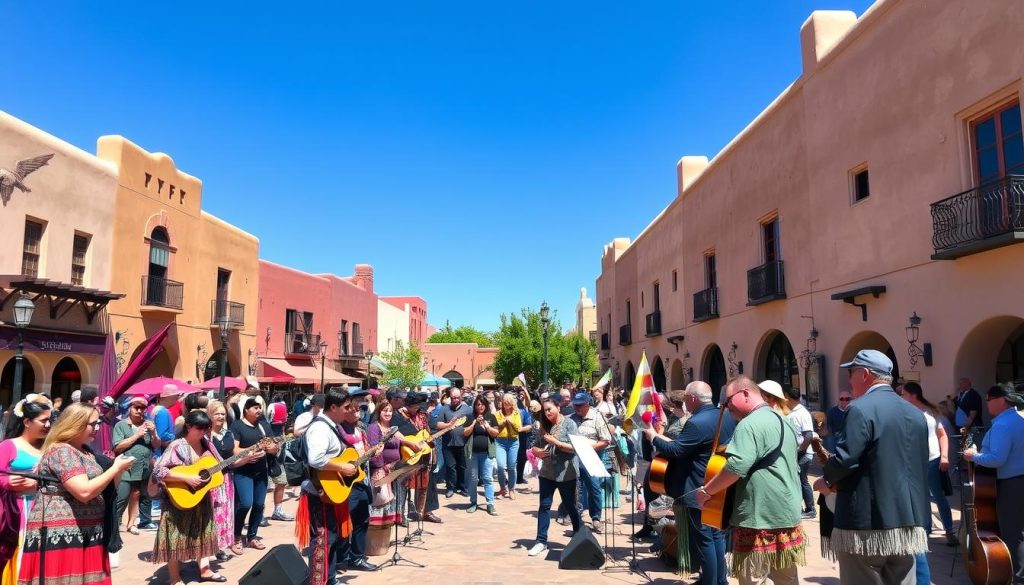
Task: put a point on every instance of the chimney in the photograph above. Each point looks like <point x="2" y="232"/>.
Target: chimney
<point x="687" y="170"/>
<point x="364" y="277"/>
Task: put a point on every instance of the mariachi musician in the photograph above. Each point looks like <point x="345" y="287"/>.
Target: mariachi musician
<point x="1003" y="449"/>
<point x="410" y="421"/>
<point x="688" y="455"/>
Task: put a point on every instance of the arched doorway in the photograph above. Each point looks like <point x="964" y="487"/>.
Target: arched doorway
<point x="630" y="377"/>
<point x="28" y="380"/>
<point x="159" y="260"/>
<point x="66" y="379"/>
<point x="713" y="370"/>
<point x="455" y="378"/>
<point x="658" y="375"/>
<point x="776" y="361"/>
<point x="993" y="351"/>
<point x="868" y="340"/>
<point x="677" y="380"/>
<point x="1010" y="361"/>
<point x="212" y="369"/>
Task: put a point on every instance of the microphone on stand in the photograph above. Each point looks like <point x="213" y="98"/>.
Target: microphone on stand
<point x="38" y="477"/>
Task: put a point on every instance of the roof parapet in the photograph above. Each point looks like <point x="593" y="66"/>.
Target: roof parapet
<point x="822" y="30"/>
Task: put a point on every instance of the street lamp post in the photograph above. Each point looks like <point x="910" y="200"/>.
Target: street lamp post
<point x="323" y="362"/>
<point x="369" y="365"/>
<point x="544" y="322"/>
<point x="225" y="324"/>
<point x="23" y="309"/>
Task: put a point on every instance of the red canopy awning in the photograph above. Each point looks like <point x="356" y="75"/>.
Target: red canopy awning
<point x="150" y="349"/>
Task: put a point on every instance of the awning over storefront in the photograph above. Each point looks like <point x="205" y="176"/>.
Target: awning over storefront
<point x="61" y="297"/>
<point x="285" y="371"/>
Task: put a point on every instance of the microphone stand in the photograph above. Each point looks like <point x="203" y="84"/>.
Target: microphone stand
<point x="43" y="481"/>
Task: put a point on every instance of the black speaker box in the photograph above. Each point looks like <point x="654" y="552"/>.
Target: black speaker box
<point x="582" y="552"/>
<point x="282" y="565"/>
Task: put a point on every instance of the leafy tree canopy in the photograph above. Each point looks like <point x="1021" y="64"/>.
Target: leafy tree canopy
<point x="520" y="341"/>
<point x="462" y="334"/>
<point x="403" y="365"/>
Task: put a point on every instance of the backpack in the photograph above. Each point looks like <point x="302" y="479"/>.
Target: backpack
<point x="296" y="453"/>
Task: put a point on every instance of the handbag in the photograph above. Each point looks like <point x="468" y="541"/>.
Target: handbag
<point x="947" y="483"/>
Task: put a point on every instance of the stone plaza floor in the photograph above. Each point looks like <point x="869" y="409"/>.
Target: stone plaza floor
<point x="477" y="548"/>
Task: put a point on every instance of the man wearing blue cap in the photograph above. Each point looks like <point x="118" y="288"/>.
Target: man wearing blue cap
<point x="591" y="425"/>
<point x="880" y="473"/>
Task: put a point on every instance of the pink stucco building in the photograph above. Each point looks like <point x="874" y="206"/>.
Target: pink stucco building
<point x="302" y="316"/>
<point x="883" y="184"/>
<point x="417" y="309"/>
<point x="467" y="365"/>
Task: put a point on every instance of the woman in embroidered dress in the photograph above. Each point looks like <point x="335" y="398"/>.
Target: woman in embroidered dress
<point x="186" y="535"/>
<point x="30" y="422"/>
<point x="72" y="512"/>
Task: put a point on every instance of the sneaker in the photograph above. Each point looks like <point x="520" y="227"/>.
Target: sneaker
<point x="264" y="523"/>
<point x="115" y="560"/>
<point x="808" y="515"/>
<point x="450" y="494"/>
<point x="148" y="526"/>
<point x="471" y="508"/>
<point x="491" y="510"/>
<point x="282" y="516"/>
<point x="537" y="549"/>
<point x="595" y="526"/>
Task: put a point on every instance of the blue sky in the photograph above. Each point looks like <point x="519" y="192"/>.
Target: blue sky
<point x="478" y="154"/>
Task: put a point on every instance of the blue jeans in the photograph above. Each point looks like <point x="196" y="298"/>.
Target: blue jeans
<point x="480" y="468"/>
<point x="805" y="485"/>
<point x="507" y="452"/>
<point x="567" y="491"/>
<point x="924" y="574"/>
<point x="708" y="545"/>
<point x="591" y="496"/>
<point x="935" y="489"/>
<point x="250" y="494"/>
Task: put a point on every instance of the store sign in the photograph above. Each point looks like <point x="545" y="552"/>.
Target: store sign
<point x="53" y="342"/>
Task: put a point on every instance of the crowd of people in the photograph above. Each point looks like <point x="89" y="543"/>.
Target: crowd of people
<point x="888" y="449"/>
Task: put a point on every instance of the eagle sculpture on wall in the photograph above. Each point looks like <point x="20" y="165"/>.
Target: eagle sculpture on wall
<point x="11" y="179"/>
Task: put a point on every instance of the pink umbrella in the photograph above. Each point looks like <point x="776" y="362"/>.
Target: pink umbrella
<point x="156" y="385"/>
<point x="229" y="382"/>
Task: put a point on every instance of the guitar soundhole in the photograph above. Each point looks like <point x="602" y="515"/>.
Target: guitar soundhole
<point x="204" y="474"/>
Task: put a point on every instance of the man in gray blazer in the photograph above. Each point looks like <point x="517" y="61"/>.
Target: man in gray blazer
<point x="880" y="473"/>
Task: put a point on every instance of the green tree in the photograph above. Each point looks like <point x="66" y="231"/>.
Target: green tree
<point x="462" y="334"/>
<point x="586" y="357"/>
<point x="520" y="341"/>
<point x="403" y="365"/>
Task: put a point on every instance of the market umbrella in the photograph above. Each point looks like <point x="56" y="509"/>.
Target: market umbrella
<point x="153" y="386"/>
<point x="429" y="380"/>
<point x="229" y="382"/>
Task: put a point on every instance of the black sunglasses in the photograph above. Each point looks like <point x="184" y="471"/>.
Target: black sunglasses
<point x="844" y="400"/>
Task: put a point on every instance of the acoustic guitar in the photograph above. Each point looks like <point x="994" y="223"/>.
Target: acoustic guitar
<point x="337" y="487"/>
<point x="987" y="557"/>
<point x="658" y="475"/>
<point x="210" y="471"/>
<point x="411" y="456"/>
<point x="718" y="509"/>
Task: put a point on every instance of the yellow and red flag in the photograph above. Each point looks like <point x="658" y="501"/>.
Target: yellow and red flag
<point x="643" y="392"/>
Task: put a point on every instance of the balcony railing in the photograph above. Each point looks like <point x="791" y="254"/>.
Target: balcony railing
<point x="705" y="304"/>
<point x="653" y="323"/>
<point x="765" y="283"/>
<point x="235" y="313"/>
<point x="160" y="292"/>
<point x="626" y="334"/>
<point x="605" y="342"/>
<point x="357" y="349"/>
<point x="301" y="343"/>
<point x="979" y="219"/>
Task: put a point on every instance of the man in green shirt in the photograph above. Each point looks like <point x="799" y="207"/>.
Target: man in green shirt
<point x="768" y="541"/>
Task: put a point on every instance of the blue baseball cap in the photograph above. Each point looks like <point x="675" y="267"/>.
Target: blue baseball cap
<point x="580" y="398"/>
<point x="871" y="359"/>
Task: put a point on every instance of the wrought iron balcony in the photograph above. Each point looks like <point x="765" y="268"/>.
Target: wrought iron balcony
<point x="302" y="343"/>
<point x="605" y="342"/>
<point x="163" y="293"/>
<point x="705" y="304"/>
<point x="235" y="313"/>
<point x="765" y="283"/>
<point x="979" y="219"/>
<point x="653" y="323"/>
<point x="357" y="349"/>
<point x="626" y="334"/>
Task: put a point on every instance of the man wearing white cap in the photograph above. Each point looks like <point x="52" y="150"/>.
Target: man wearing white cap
<point x="880" y="474"/>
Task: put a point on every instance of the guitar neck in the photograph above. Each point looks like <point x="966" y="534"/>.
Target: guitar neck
<point x="244" y="453"/>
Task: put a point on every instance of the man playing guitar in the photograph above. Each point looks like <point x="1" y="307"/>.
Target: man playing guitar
<point x="411" y="420"/>
<point x="688" y="455"/>
<point x="1003" y="449"/>
<point x="335" y="531"/>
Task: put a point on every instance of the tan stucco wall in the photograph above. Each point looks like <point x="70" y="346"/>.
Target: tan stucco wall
<point x="200" y="242"/>
<point x="392" y="325"/>
<point x="894" y="91"/>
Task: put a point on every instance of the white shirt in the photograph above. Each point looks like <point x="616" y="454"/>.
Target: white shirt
<point x="302" y="421"/>
<point x="802" y="423"/>
<point x="933" y="439"/>
<point x="322" y="445"/>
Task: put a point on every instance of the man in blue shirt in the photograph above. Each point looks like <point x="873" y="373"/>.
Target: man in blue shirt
<point x="1003" y="450"/>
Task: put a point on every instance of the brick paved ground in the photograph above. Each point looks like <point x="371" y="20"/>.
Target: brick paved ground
<point x="477" y="548"/>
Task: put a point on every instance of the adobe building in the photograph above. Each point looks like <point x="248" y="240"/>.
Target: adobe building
<point x="416" y="308"/>
<point x="878" y="202"/>
<point x="314" y="326"/>
<point x="55" y="249"/>
<point x="179" y="265"/>
<point x="466" y="365"/>
<point x="586" y="317"/>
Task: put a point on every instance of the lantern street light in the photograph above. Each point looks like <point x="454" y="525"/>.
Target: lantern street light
<point x="545" y="322"/>
<point x="323" y="361"/>
<point x="23" y="309"/>
<point x="225" y="330"/>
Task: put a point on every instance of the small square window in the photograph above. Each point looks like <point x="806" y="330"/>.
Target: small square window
<point x="859" y="184"/>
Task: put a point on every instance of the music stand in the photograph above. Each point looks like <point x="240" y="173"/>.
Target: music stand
<point x="633" y="566"/>
<point x="43" y="481"/>
<point x="397" y="557"/>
